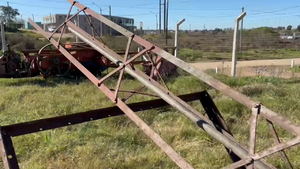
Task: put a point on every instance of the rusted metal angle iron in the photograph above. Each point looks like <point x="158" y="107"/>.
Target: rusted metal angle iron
<point x="265" y="153"/>
<point x="8" y="154"/>
<point x="72" y="119"/>
<point x="277" y="141"/>
<point x="217" y="119"/>
<point x="225" y="89"/>
<point x="181" y="162"/>
<point x="253" y="127"/>
<point x="111" y="55"/>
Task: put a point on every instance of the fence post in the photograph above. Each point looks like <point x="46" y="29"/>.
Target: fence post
<point x="176" y="37"/>
<point x="234" y="49"/>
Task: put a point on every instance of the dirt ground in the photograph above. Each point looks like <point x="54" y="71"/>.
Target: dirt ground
<point x="269" y="71"/>
<point x="227" y="64"/>
<point x="276" y="68"/>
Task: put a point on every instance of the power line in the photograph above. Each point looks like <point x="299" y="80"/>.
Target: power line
<point x="33" y="5"/>
<point x="125" y="7"/>
<point x="265" y="13"/>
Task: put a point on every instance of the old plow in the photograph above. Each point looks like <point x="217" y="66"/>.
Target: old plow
<point x="213" y="124"/>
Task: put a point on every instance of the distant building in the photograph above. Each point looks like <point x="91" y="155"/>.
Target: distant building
<point x="294" y="36"/>
<point x="57" y="19"/>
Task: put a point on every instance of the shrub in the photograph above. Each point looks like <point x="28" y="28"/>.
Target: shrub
<point x="190" y="54"/>
<point x="21" y="41"/>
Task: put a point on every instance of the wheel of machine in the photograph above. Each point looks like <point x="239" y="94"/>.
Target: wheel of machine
<point x="56" y="66"/>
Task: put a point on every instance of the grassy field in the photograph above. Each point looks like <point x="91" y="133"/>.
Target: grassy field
<point x="197" y="55"/>
<point x="194" y="47"/>
<point x="117" y="143"/>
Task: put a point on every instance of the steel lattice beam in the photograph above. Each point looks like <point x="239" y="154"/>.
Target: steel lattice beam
<point x="225" y="89"/>
<point x="114" y="57"/>
<point x="124" y="66"/>
<point x="136" y="119"/>
<point x="174" y="103"/>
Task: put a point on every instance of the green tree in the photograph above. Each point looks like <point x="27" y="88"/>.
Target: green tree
<point x="298" y="28"/>
<point x="8" y="14"/>
<point x="289" y="27"/>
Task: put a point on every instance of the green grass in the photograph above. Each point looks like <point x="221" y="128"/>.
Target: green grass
<point x="198" y="55"/>
<point x="295" y="69"/>
<point x="117" y="142"/>
<point x="31" y="34"/>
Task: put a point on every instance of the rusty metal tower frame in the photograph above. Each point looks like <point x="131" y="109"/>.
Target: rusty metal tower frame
<point x="214" y="125"/>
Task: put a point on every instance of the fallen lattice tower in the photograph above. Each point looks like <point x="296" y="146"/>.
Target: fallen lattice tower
<point x="214" y="125"/>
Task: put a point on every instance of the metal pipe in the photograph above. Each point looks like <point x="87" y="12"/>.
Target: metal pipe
<point x="193" y="117"/>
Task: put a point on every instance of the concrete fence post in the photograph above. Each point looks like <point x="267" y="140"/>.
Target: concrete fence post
<point x="234" y="46"/>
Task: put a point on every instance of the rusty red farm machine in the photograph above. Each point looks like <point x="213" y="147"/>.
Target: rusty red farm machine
<point x="50" y="62"/>
<point x="68" y="58"/>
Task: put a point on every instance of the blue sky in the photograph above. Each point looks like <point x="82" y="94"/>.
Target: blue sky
<point x="198" y="13"/>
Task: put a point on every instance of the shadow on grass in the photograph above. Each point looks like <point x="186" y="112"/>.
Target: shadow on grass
<point x="39" y="81"/>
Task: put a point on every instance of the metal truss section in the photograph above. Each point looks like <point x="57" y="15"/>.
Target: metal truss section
<point x="214" y="125"/>
<point x="165" y="94"/>
<point x="225" y="89"/>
